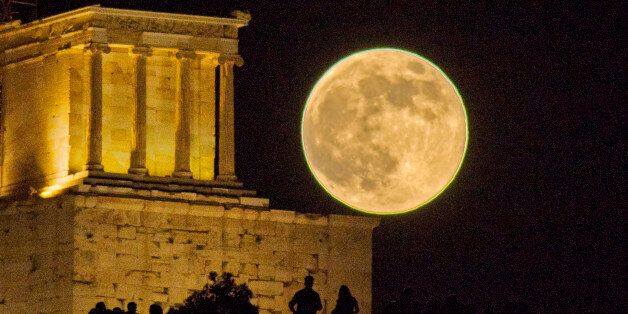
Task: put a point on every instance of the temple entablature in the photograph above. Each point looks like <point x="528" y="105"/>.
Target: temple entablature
<point x="120" y="27"/>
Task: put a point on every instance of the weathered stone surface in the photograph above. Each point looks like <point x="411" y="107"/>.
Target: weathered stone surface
<point x="116" y="236"/>
<point x="152" y="255"/>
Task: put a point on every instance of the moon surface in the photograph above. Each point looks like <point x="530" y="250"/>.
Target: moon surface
<point x="384" y="131"/>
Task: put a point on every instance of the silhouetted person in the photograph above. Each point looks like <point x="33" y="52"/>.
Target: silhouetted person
<point x="100" y="308"/>
<point x="307" y="300"/>
<point x="131" y="308"/>
<point x="346" y="303"/>
<point x="117" y="310"/>
<point x="155" y="309"/>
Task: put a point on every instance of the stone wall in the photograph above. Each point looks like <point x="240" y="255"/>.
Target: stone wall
<point x="158" y="248"/>
<point x="37" y="98"/>
<point x="36" y="256"/>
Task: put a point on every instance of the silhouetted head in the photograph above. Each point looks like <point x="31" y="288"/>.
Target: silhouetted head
<point x="100" y="306"/>
<point x="155" y="309"/>
<point x="117" y="310"/>
<point x="309" y="281"/>
<point x="344" y="292"/>
<point x="131" y="308"/>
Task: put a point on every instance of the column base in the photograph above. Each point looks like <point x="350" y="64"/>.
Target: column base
<point x="95" y="167"/>
<point x="182" y="174"/>
<point x="227" y="177"/>
<point x="138" y="170"/>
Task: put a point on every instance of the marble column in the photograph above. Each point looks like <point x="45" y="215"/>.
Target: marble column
<point x="138" y="151"/>
<point x="183" y="115"/>
<point x="226" y="120"/>
<point x="94" y="148"/>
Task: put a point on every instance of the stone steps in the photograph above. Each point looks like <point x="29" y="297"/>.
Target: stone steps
<point x="167" y="184"/>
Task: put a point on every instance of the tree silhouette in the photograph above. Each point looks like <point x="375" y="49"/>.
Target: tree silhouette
<point x="222" y="296"/>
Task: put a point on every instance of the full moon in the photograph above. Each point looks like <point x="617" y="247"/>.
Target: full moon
<point x="384" y="131"/>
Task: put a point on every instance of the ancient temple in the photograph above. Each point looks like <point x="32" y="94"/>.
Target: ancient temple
<point x="117" y="172"/>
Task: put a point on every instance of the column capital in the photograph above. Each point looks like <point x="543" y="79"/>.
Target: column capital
<point x="230" y="59"/>
<point x="98" y="47"/>
<point x="186" y="54"/>
<point x="142" y="51"/>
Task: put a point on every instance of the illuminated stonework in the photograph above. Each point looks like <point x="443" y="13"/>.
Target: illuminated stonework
<point x="111" y="124"/>
<point x="116" y="90"/>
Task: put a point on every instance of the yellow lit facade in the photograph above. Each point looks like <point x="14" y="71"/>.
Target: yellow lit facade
<point x="48" y="87"/>
<point x="117" y="172"/>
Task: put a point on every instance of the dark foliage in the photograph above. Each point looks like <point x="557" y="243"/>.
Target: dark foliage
<point x="222" y="296"/>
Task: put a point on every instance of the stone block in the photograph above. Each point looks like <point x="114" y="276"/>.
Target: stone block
<point x="213" y="265"/>
<point x="265" y="228"/>
<point x="234" y="213"/>
<point x="99" y="189"/>
<point x="266" y="272"/>
<point x="91" y="201"/>
<point x="250" y="214"/>
<point x="177" y="295"/>
<point x="254" y="201"/>
<point x="127" y="261"/>
<point x="251" y="270"/>
<point x="283" y="274"/>
<point x="217" y="199"/>
<point x="126" y="232"/>
<point x="128" y="291"/>
<point x="233" y="226"/>
<point x="300" y="260"/>
<point x="274" y="243"/>
<point x="106" y="231"/>
<point x="207" y="210"/>
<point x="265" y="302"/>
<point x="106" y="202"/>
<point x="181" y="208"/>
<point x="84" y="258"/>
<point x="152" y="220"/>
<point x="231" y="239"/>
<point x="231" y="267"/>
<point x="83" y="274"/>
<point x="122" y="191"/>
<point x="190" y="196"/>
<point x="132" y="218"/>
<point x="132" y="247"/>
<point x="83" y="188"/>
<point x="283" y="216"/>
<point x="106" y="259"/>
<point x="311" y="219"/>
<point x="266" y="287"/>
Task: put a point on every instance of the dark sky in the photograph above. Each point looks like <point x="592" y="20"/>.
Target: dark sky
<point x="536" y="213"/>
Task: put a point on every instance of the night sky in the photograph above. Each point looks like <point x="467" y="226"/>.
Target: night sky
<point x="536" y="213"/>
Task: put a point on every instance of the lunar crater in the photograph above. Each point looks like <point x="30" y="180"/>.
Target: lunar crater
<point x="384" y="131"/>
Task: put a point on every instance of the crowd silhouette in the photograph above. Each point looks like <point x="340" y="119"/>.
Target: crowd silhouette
<point x="131" y="308"/>
<point x="224" y="296"/>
